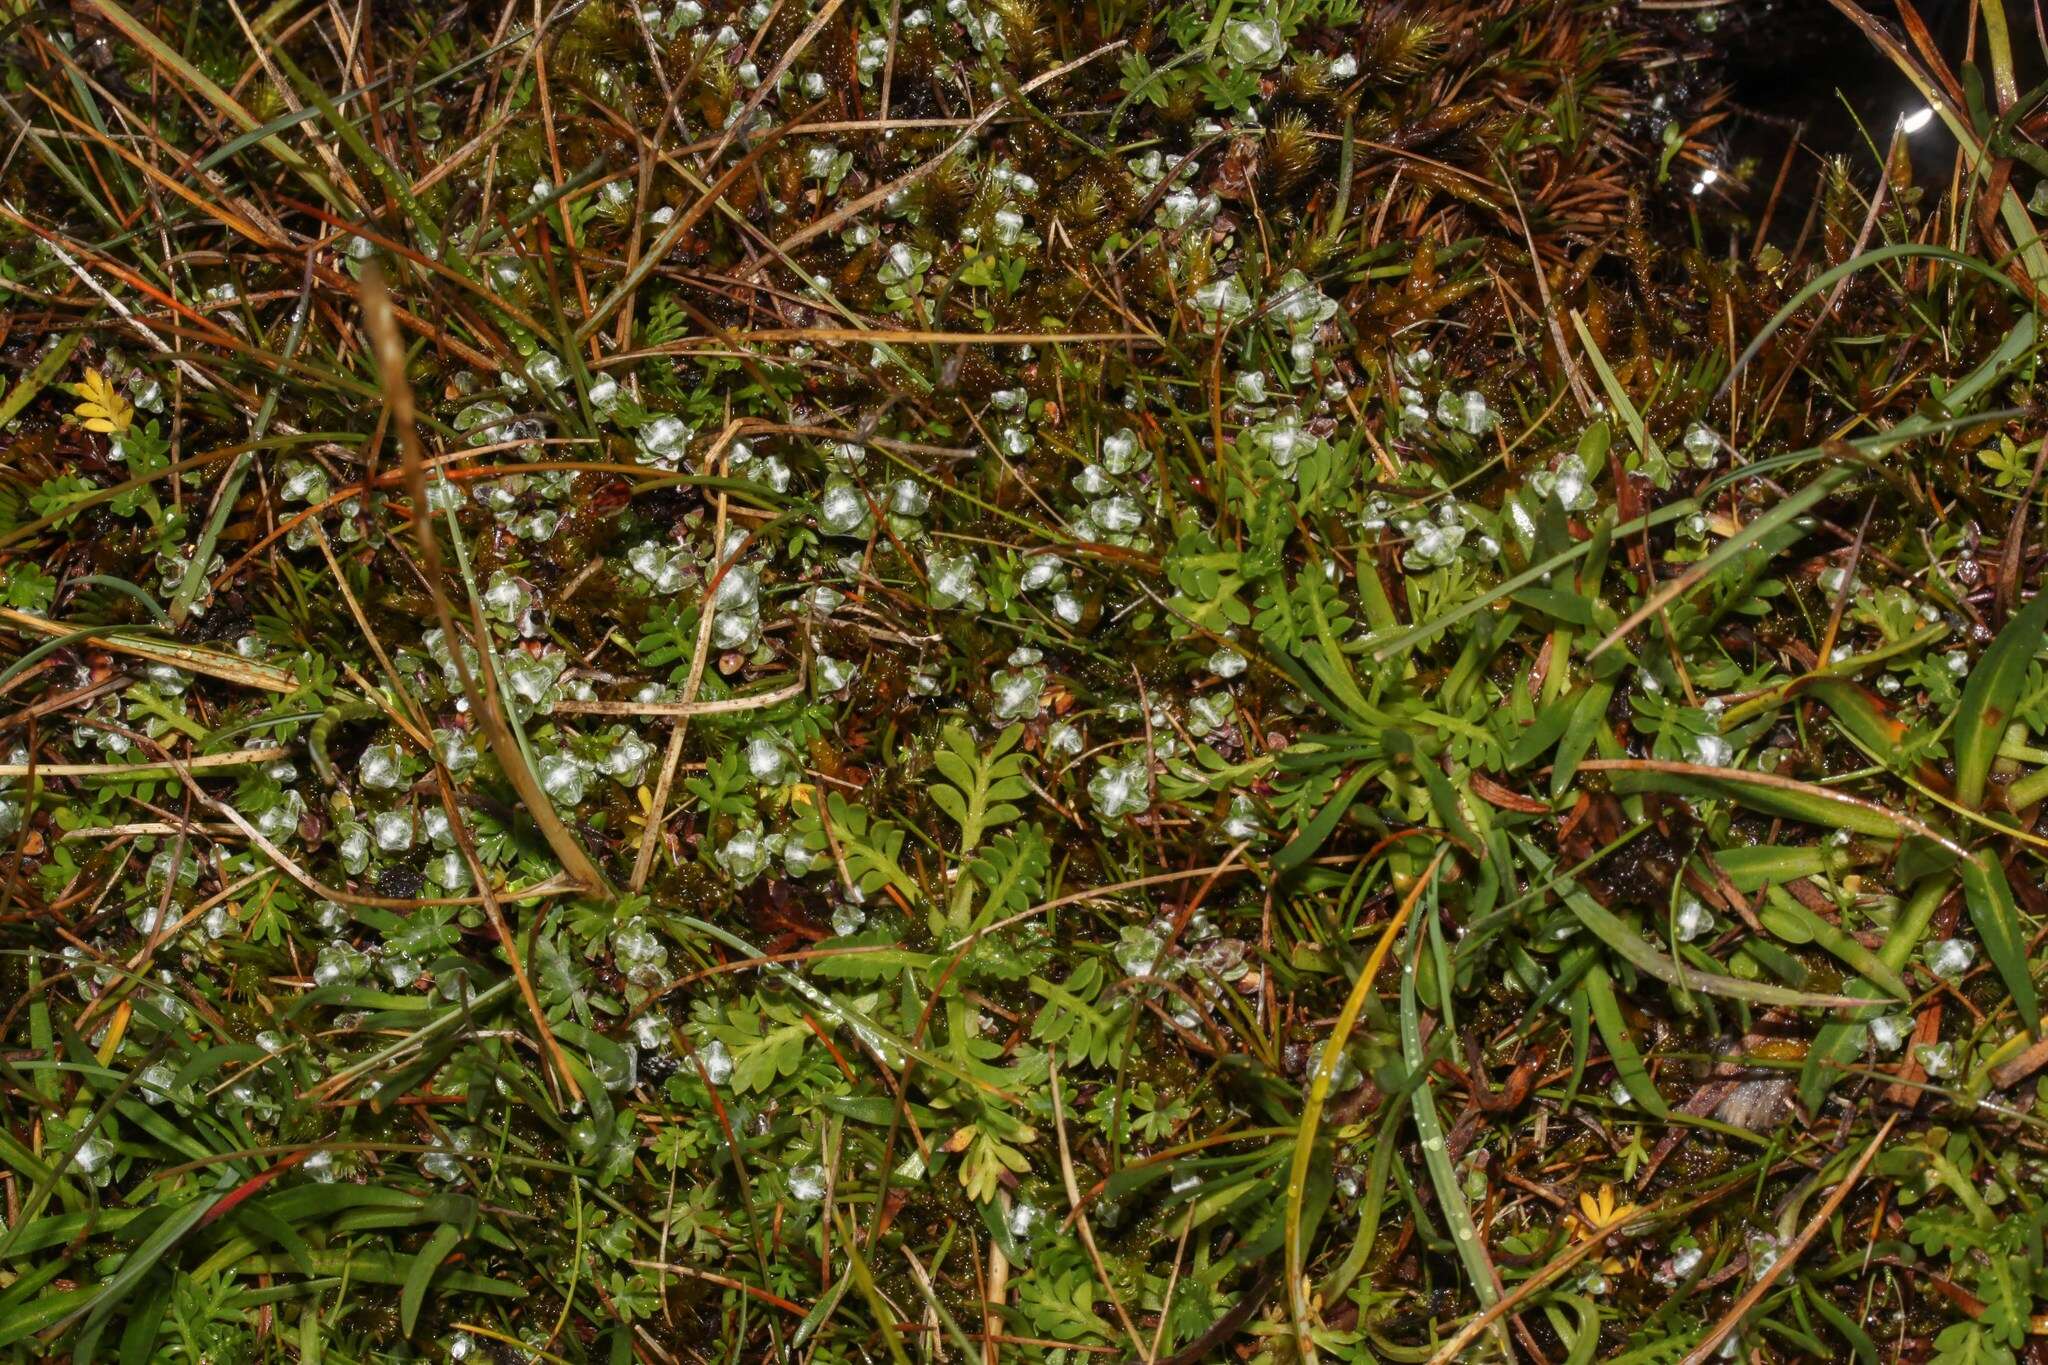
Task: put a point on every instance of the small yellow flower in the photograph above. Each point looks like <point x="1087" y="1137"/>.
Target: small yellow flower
<point x="645" y="800"/>
<point x="104" y="409"/>
<point x="1600" y="1212"/>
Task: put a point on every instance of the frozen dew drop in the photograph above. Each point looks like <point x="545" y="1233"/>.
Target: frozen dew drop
<point x="303" y="482"/>
<point x="908" y="498"/>
<point x="625" y="760"/>
<point x="1693" y="920"/>
<point x="1120" y="451"/>
<point x="1950" y="958"/>
<point x="392" y="830"/>
<point x="546" y="370"/>
<point x="662" y="439"/>
<point x="562" y="777"/>
<point x="955" y="580"/>
<point x="1120" y="789"/>
<point x="1209" y="712"/>
<point x="154" y="1084"/>
<point x="1243" y="821"/>
<point x="1019" y="693"/>
<point x="381" y="767"/>
<point x="1254" y="42"/>
<point x="842" y="511"/>
<point x="1712" y="751"/>
<point x="767" y="761"/>
<point x="1467" y="412"/>
<point x="1227" y="662"/>
<point x="457" y="751"/>
<point x="1889" y="1032"/>
<point x="1224" y="301"/>
<point x="92" y="1154"/>
<point x="337" y="964"/>
<point x="1139" y="951"/>
<point x="1701" y="444"/>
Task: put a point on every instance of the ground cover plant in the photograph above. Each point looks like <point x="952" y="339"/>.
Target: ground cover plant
<point x="1154" y="681"/>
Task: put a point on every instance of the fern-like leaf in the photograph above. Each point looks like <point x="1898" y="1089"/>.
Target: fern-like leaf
<point x="871" y="848"/>
<point x="1073" y="1022"/>
<point x="979" y="786"/>
<point x="665" y="321"/>
<point x="1011" y="870"/>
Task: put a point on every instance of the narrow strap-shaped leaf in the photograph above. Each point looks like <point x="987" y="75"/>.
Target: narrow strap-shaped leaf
<point x="260" y="1222"/>
<point x="1844" y="1326"/>
<point x="1755" y="866"/>
<point x="138" y="1338"/>
<point x="1303" y="846"/>
<point x="1820" y="283"/>
<point x="37" y="379"/>
<point x="1638" y="430"/>
<point x="1442" y="798"/>
<point x="1793" y="507"/>
<point x="1436" y="1155"/>
<point x="1644" y="956"/>
<point x="420" y="1273"/>
<point x="1989" y="898"/>
<point x="1587" y="717"/>
<point x="1586" y="1340"/>
<point x="1858" y="712"/>
<point x="1535" y="573"/>
<point x="1621" y="1048"/>
<point x="1837" y="1042"/>
<point x="1542" y="733"/>
<point x="1860" y="959"/>
<point x="33" y="1316"/>
<point x="1811" y="804"/>
<point x="1989" y="697"/>
<point x="134" y="1266"/>
<point x="1582" y="1043"/>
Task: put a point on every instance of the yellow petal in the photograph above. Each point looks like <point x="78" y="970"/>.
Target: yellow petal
<point x="114" y="1031"/>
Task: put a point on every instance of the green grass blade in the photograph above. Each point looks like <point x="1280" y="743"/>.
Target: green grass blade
<point x="1839" y="1040"/>
<point x="1858" y="958"/>
<point x="1638" y="430"/>
<point x="1824" y="281"/>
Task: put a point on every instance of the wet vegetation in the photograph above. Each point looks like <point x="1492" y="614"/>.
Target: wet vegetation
<point x="976" y="680"/>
